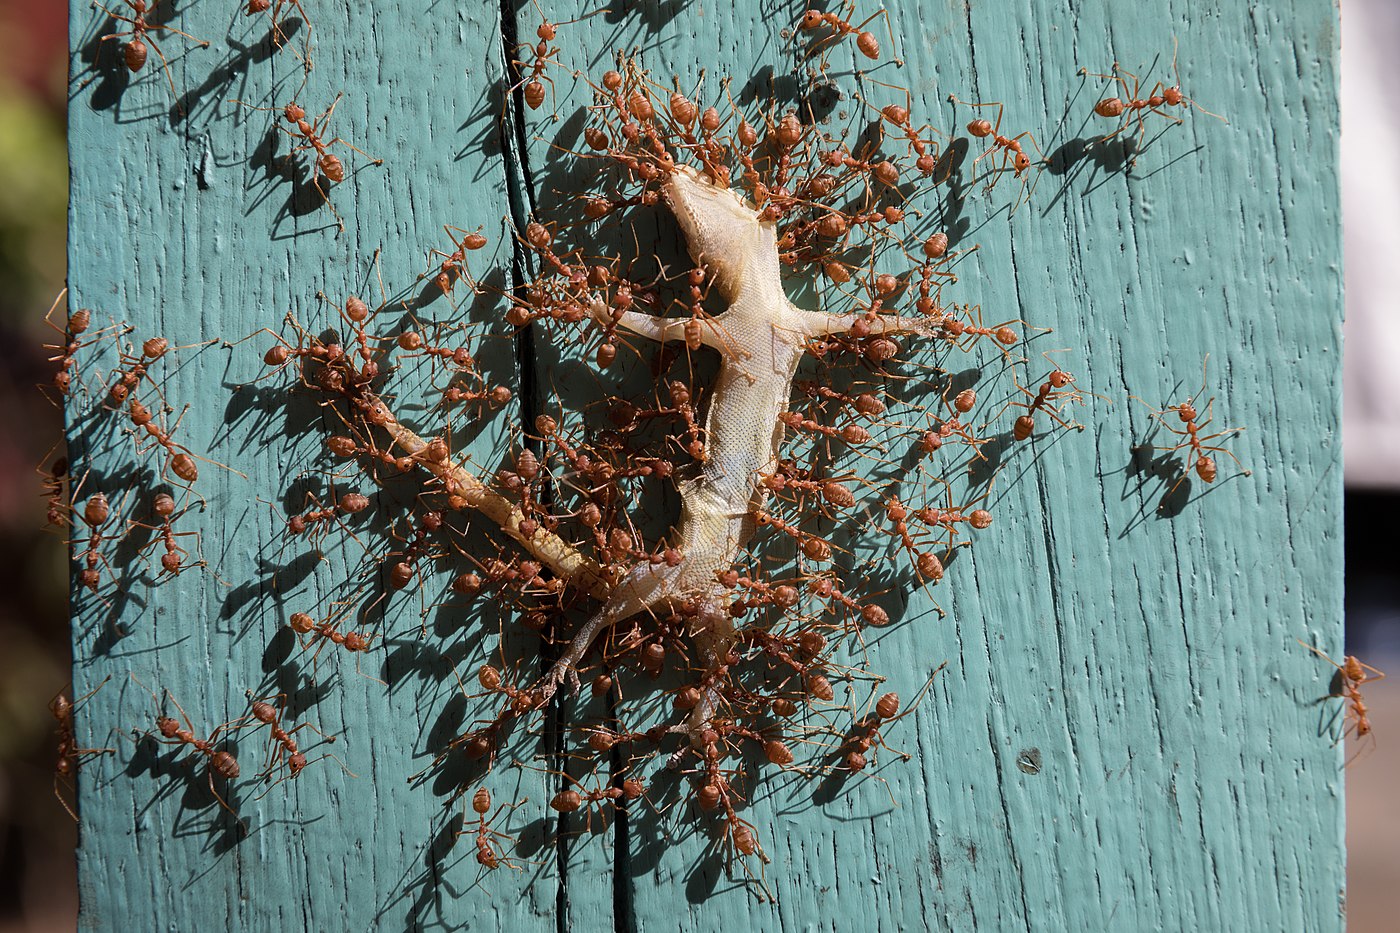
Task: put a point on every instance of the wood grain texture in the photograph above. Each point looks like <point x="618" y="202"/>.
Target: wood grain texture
<point x="1127" y="734"/>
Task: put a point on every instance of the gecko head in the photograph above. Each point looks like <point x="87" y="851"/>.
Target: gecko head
<point x="721" y="229"/>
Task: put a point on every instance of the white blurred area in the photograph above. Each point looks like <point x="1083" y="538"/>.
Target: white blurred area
<point x="1371" y="237"/>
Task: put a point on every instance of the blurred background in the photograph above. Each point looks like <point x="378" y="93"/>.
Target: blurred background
<point x="38" y="884"/>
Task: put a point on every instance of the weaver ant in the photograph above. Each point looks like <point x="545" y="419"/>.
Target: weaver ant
<point x="310" y="133"/>
<point x="55" y="484"/>
<point x="1203" y="464"/>
<point x="70" y="755"/>
<point x="1136" y="108"/>
<point x="1351" y="675"/>
<point x="78" y="323"/>
<point x="96" y="514"/>
<point x="134" y="52"/>
<point x="866" y="733"/>
<point x="219" y="761"/>
<point x="1012" y="154"/>
<point x="570" y="800"/>
<point x="841" y="27"/>
<point x="284" y="748"/>
<point x="487" y="838"/>
<point x="1048" y="398"/>
<point x="163" y="512"/>
<point x="543" y="55"/>
<point x="454" y="263"/>
<point x="279" y="10"/>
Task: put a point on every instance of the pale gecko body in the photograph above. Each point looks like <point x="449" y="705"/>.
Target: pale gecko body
<point x="761" y="338"/>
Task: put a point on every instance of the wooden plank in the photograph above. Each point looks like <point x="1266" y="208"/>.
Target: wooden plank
<point x="1126" y="733"/>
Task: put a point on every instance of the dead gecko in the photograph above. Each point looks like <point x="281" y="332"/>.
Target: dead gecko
<point x="761" y="339"/>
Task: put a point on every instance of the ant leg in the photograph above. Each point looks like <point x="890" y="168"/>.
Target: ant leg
<point x="356" y="148"/>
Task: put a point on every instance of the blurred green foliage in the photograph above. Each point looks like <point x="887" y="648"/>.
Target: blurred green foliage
<point x="33" y="198"/>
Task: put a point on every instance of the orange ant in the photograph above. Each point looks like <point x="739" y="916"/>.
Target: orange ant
<point x="897" y="115"/>
<point x="1047" y="399"/>
<point x="569" y="800"/>
<point x="1204" y="465"/>
<point x="279" y="10"/>
<point x="957" y="329"/>
<point x="1011" y="152"/>
<point x="454" y="263"/>
<point x="181" y="462"/>
<point x="543" y="55"/>
<point x="70" y="756"/>
<point x="486" y="837"/>
<point x="55" y="481"/>
<point x="134" y="52"/>
<point x="78" y="323"/>
<point x="866" y="732"/>
<point x="163" y="509"/>
<point x="96" y="513"/>
<point x="1136" y="108"/>
<point x="310" y="133"/>
<point x="840" y="27"/>
<point x="1351" y="674"/>
<point x="290" y="752"/>
<point x="304" y="624"/>
<point x="318" y="520"/>
<point x="220" y="762"/>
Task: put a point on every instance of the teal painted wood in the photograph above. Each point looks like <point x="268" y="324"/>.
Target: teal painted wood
<point x="1127" y="734"/>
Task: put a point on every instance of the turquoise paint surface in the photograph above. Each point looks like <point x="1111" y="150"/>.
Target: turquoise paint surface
<point x="1127" y="734"/>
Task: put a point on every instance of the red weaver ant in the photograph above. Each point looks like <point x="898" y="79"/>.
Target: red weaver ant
<point x="96" y="514"/>
<point x="310" y="133"/>
<point x="1351" y="674"/>
<point x="78" y="323"/>
<point x="304" y="624"/>
<point x="1010" y="147"/>
<point x="279" y="10"/>
<point x="1203" y="464"/>
<point x="163" y="511"/>
<point x="544" y="55"/>
<point x="487" y="838"/>
<point x="570" y="800"/>
<point x="866" y="733"/>
<point x="840" y="27"/>
<point x="454" y="263"/>
<point x="70" y="756"/>
<point x="1051" y="394"/>
<point x="134" y="52"/>
<point x="1136" y="108"/>
<point x="55" y="483"/>
<point x="285" y="749"/>
<point x="221" y="762"/>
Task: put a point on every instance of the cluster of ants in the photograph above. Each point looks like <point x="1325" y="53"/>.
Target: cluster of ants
<point x="863" y="475"/>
